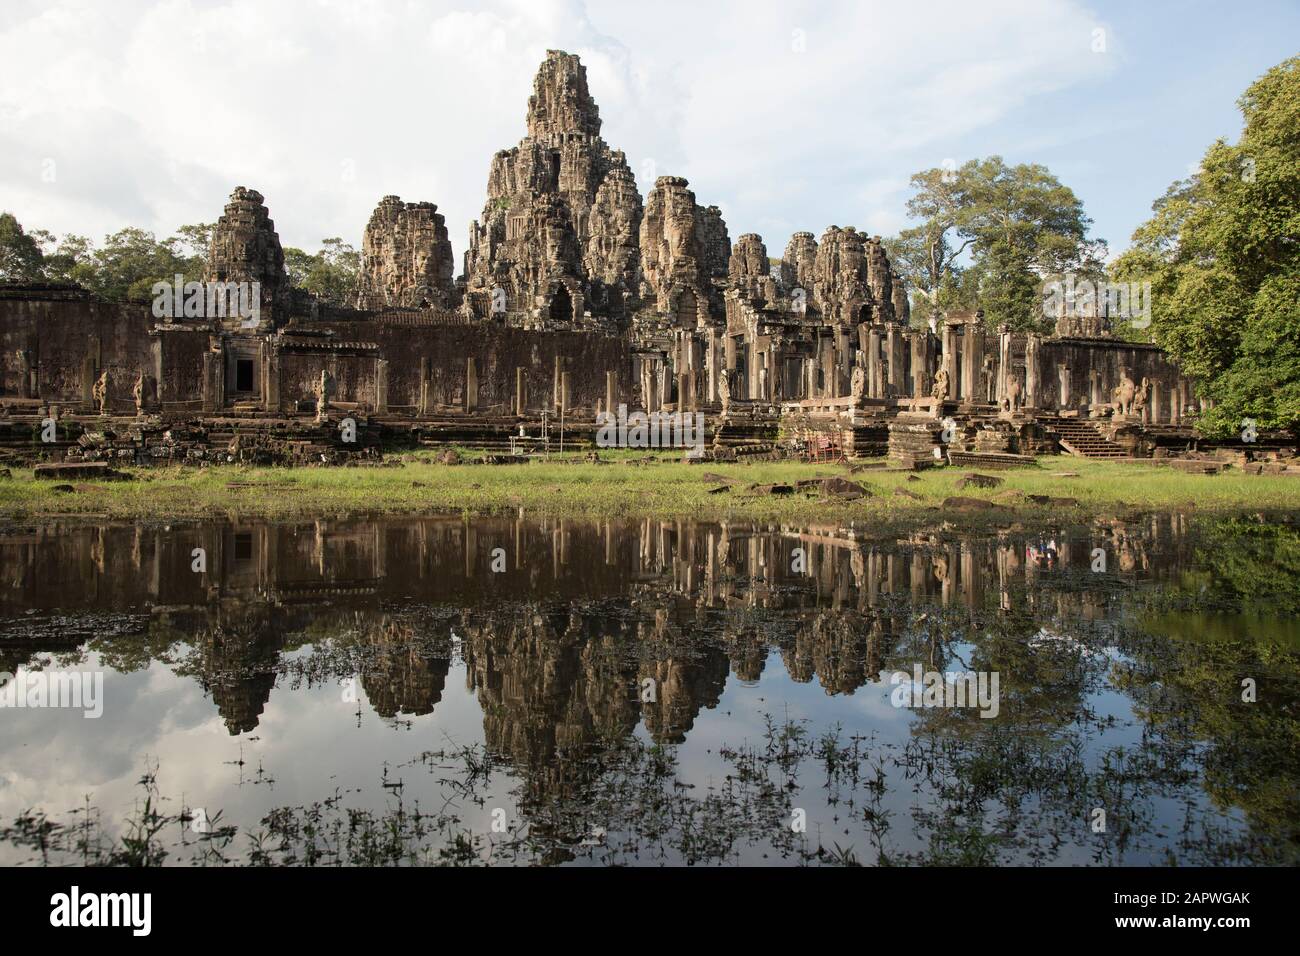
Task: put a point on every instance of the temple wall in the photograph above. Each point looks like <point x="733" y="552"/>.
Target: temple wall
<point x="60" y="335"/>
<point x="182" y="364"/>
<point x="444" y="351"/>
<point x="1094" y="367"/>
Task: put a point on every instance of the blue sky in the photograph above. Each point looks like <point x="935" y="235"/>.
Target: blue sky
<point x="790" y="115"/>
<point x="1120" y="141"/>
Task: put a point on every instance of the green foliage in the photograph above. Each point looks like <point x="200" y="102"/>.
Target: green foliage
<point x="331" y="274"/>
<point x="1223" y="258"/>
<point x="20" y="254"/>
<point x="989" y="235"/>
<point x="123" y="269"/>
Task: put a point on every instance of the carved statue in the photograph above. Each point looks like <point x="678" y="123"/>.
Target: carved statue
<point x="99" y="392"/>
<point x="858" y="383"/>
<point x="137" y="392"/>
<point x="724" y="388"/>
<point x="1123" y="394"/>
<point x="1140" y="397"/>
<point x="322" y="395"/>
<point x="940" y="390"/>
<point x="1012" y="400"/>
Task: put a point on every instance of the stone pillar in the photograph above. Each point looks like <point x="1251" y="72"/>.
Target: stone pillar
<point x="566" y="393"/>
<point x="875" y="376"/>
<point x="271" y="379"/>
<point x="1064" y="385"/>
<point x="521" y="391"/>
<point x="949" y="358"/>
<point x="1153" y="402"/>
<point x="381" y="386"/>
<point x="611" y="389"/>
<point x="424" y="386"/>
<point x="894" y="357"/>
<point x="1031" y="371"/>
<point x="88" y="379"/>
<point x="471" y="385"/>
<point x="1004" y="365"/>
<point x="920" y="363"/>
<point x="972" y="349"/>
<point x="24" y="373"/>
<point x="555" y="382"/>
<point x="214" y="376"/>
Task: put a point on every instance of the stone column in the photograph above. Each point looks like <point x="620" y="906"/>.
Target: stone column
<point x="1063" y="380"/>
<point x="271" y="380"/>
<point x="949" y="358"/>
<point x="894" y="356"/>
<point x="1031" y="371"/>
<point x="381" y="386"/>
<point x="611" y="390"/>
<point x="920" y="363"/>
<point x="1004" y="364"/>
<point x="972" y="348"/>
<point x="424" y="386"/>
<point x="471" y="385"/>
<point x="875" y="378"/>
<point x="1153" y="402"/>
<point x="521" y="391"/>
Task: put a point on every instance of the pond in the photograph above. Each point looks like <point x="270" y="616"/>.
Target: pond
<point x="511" y="690"/>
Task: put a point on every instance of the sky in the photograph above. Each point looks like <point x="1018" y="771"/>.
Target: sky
<point x="788" y="115"/>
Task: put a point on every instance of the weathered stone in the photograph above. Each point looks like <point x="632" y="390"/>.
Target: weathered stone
<point x="406" y="257"/>
<point x="843" y="488"/>
<point x="799" y="264"/>
<point x="683" y="247"/>
<point x="557" y="233"/>
<point x="246" y="248"/>
<point x="749" y="270"/>
<point x="973" y="479"/>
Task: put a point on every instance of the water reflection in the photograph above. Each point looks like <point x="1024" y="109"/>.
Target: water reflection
<point x="588" y="635"/>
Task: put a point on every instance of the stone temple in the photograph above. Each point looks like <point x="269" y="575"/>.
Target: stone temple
<point x="577" y="294"/>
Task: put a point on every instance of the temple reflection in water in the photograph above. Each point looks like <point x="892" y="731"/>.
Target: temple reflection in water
<point x="561" y="645"/>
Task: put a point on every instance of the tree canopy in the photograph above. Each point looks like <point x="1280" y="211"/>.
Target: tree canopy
<point x="988" y="237"/>
<point x="1222" y="253"/>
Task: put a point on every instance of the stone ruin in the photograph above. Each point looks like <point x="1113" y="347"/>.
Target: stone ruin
<point x="576" y="295"/>
<point x="406" y="259"/>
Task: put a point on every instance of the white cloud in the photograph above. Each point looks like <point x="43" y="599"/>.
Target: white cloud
<point x="153" y="111"/>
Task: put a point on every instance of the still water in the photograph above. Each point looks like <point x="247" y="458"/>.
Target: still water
<point x="518" y="691"/>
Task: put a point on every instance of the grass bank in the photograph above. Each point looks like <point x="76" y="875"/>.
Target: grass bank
<point x="628" y="486"/>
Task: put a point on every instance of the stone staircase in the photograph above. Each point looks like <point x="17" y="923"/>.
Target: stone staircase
<point x="1082" y="438"/>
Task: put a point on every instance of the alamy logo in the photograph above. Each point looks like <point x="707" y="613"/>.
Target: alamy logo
<point x="653" y="430"/>
<point x="208" y="300"/>
<point x="103" y="909"/>
<point x="74" y="690"/>
<point x="960" y="689"/>
<point x="1087" y="299"/>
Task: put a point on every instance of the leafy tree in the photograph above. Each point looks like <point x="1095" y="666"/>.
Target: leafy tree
<point x="1222" y="253"/>
<point x="331" y="274"/>
<point x="193" y="243"/>
<point x="21" y="259"/>
<point x="127" y="266"/>
<point x="989" y="235"/>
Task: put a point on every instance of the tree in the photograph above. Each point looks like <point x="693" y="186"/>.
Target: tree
<point x="1222" y="254"/>
<point x="1016" y="225"/>
<point x="331" y="274"/>
<point x="20" y="254"/>
<point x="128" y="265"/>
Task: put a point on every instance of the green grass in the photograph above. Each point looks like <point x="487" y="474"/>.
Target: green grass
<point x="665" y="488"/>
